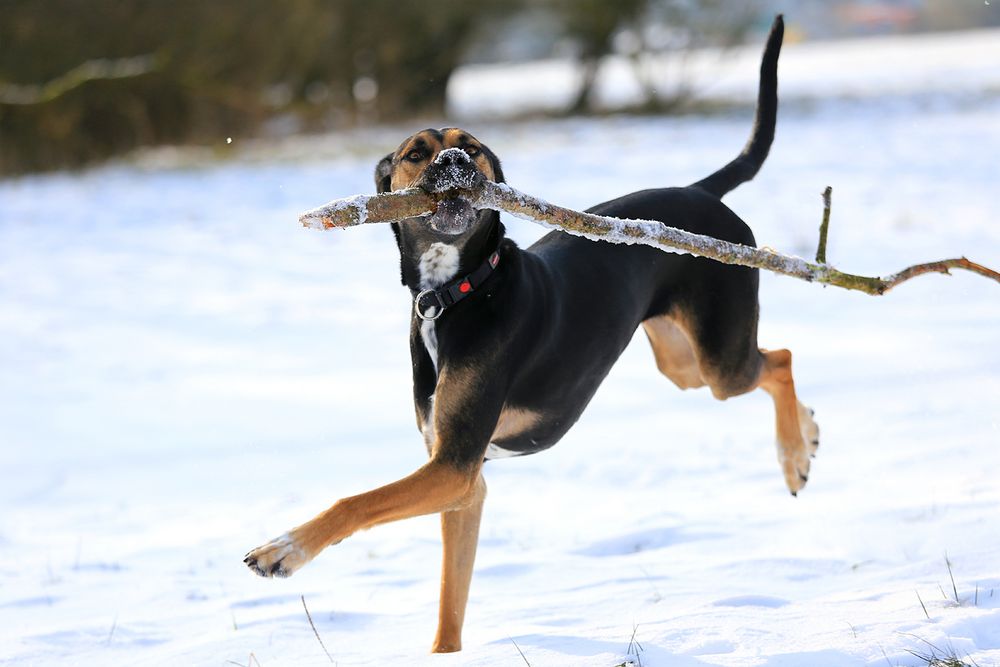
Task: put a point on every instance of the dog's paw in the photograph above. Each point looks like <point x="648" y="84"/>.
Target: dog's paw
<point x="280" y="557"/>
<point x="794" y="457"/>
<point x="795" y="466"/>
<point x="810" y="429"/>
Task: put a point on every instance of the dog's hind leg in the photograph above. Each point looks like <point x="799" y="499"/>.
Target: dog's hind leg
<point x="711" y="339"/>
<point x="797" y="432"/>
<point x="674" y="354"/>
<point x="460" y="534"/>
<point x="797" y="435"/>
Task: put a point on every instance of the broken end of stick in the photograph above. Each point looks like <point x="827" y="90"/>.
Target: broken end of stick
<point x="317" y="222"/>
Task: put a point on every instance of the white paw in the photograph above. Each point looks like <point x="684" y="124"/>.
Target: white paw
<point x="810" y="429"/>
<point x="794" y="457"/>
<point x="280" y="557"/>
<point x="794" y="462"/>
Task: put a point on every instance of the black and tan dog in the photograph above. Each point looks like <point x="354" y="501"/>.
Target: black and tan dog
<point x="509" y="345"/>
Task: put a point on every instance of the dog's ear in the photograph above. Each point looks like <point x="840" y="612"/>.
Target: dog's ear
<point x="383" y="183"/>
<point x="495" y="163"/>
<point x="383" y="174"/>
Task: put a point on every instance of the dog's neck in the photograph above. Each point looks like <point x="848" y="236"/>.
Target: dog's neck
<point x="429" y="259"/>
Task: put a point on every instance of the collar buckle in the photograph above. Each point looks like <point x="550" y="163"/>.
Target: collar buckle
<point x="439" y="308"/>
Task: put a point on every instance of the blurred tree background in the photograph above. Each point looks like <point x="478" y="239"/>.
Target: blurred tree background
<point x="83" y="80"/>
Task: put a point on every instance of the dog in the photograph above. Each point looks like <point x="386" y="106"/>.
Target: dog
<point x="509" y="345"/>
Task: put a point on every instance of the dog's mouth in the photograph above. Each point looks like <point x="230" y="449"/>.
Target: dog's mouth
<point x="453" y="216"/>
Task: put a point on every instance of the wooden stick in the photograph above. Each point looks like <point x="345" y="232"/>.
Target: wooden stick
<point x="361" y="209"/>
<point x="414" y="202"/>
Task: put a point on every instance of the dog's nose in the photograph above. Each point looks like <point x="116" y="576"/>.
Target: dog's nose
<point x="452" y="168"/>
<point x="450" y="156"/>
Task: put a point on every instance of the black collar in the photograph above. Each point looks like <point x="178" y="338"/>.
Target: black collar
<point x="429" y="304"/>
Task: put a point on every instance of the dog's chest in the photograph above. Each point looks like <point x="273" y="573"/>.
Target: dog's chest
<point x="437" y="265"/>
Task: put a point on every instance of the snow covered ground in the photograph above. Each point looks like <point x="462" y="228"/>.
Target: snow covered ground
<point x="185" y="373"/>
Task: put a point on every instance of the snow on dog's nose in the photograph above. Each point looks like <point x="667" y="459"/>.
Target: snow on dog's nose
<point x="451" y="156"/>
<point x="452" y="168"/>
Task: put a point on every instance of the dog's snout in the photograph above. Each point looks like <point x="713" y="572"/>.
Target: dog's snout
<point x="450" y="156"/>
<point x="451" y="168"/>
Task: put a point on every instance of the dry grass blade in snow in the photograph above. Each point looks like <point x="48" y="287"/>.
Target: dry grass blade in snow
<point x="315" y="631"/>
<point x="414" y="202"/>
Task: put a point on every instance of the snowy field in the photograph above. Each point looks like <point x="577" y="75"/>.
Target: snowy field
<point x="186" y="373"/>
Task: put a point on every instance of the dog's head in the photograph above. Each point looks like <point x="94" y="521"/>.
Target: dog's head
<point x="438" y="160"/>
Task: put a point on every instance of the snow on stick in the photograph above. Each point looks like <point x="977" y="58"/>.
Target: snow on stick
<point x="359" y="209"/>
<point x="414" y="202"/>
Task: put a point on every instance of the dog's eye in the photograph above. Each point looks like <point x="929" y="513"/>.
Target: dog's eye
<point x="473" y="151"/>
<point x="415" y="156"/>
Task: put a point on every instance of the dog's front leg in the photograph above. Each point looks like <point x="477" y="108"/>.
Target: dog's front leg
<point x="434" y="487"/>
<point x="460" y="534"/>
<point x="465" y="411"/>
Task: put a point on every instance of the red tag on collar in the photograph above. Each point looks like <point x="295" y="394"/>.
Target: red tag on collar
<point x="465" y="287"/>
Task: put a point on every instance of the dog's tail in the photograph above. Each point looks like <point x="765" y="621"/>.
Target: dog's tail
<point x="747" y="163"/>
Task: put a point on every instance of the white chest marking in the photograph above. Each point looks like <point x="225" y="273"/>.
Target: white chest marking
<point x="437" y="265"/>
<point x="429" y="335"/>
